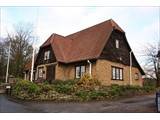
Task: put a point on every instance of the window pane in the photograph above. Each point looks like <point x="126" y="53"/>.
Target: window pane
<point x="117" y="43"/>
<point x="117" y="73"/>
<point x="82" y="70"/>
<point x="40" y="72"/>
<point x="46" y="55"/>
<point x="113" y="73"/>
<point x="121" y="74"/>
<point x="78" y="72"/>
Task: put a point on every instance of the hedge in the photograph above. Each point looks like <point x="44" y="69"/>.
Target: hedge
<point x="85" y="89"/>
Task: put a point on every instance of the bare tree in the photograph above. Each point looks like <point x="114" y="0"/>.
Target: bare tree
<point x="21" y="48"/>
<point x="152" y="66"/>
<point x="3" y="58"/>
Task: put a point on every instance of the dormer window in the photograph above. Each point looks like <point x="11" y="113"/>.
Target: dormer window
<point x="46" y="55"/>
<point x="117" y="43"/>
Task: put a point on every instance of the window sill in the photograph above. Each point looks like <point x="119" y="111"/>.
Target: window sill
<point x="117" y="79"/>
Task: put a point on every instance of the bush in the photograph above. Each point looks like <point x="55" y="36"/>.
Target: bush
<point x="26" y="86"/>
<point x="45" y="87"/>
<point x="85" y="89"/>
<point x="149" y="82"/>
<point x="61" y="82"/>
<point x="85" y="95"/>
<point x="64" y="88"/>
<point x="97" y="95"/>
<point x="87" y="83"/>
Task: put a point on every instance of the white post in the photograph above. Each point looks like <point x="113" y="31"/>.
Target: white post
<point x="32" y="65"/>
<point x="130" y="71"/>
<point x="8" y="62"/>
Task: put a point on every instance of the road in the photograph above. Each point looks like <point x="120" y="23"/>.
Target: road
<point x="136" y="104"/>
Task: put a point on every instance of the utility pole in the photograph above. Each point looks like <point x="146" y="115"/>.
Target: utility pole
<point x="158" y="69"/>
<point x="8" y="62"/>
<point x="33" y="54"/>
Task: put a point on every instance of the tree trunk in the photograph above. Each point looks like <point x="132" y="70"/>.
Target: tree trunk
<point x="158" y="79"/>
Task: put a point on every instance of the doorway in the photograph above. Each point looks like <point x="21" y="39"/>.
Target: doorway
<point x="50" y="75"/>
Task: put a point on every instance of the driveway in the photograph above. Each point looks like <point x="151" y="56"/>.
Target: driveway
<point x="136" y="104"/>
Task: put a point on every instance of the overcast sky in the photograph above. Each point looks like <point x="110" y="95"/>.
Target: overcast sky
<point x="141" y="24"/>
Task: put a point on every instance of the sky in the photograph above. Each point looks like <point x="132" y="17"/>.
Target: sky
<point x="141" y="24"/>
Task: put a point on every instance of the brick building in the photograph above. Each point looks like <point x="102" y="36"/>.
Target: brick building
<point x="101" y="50"/>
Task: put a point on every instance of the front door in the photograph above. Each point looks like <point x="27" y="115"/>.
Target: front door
<point x="50" y="75"/>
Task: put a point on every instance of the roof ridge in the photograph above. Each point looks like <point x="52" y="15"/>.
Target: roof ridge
<point x="88" y="27"/>
<point x="48" y="40"/>
<point x="114" y="24"/>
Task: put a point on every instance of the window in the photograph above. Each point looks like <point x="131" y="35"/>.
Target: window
<point x="117" y="73"/>
<point x="120" y="58"/>
<point x="80" y="70"/>
<point x="46" y="55"/>
<point x="136" y="76"/>
<point x="117" y="43"/>
<point x="40" y="72"/>
<point x="78" y="74"/>
<point x="113" y="73"/>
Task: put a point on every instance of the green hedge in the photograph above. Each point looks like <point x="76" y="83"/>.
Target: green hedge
<point x="70" y="90"/>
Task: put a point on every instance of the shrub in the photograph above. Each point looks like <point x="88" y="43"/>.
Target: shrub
<point x="97" y="95"/>
<point x="26" y="86"/>
<point x="45" y="87"/>
<point x="83" y="95"/>
<point x="87" y="83"/>
<point x="149" y="82"/>
<point x="149" y="88"/>
<point x="85" y="89"/>
<point x="61" y="82"/>
<point x="63" y="88"/>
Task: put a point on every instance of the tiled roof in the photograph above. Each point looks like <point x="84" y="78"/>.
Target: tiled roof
<point x="82" y="45"/>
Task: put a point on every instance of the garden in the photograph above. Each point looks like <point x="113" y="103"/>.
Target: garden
<point x="85" y="89"/>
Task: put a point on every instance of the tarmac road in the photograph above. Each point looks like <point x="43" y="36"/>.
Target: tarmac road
<point x="137" y="104"/>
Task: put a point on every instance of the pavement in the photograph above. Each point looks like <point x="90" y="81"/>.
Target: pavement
<point x="137" y="104"/>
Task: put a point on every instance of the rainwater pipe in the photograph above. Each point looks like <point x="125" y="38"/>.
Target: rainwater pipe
<point x="90" y="67"/>
<point x="130" y="70"/>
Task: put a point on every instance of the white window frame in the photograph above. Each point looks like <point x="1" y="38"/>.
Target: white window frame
<point x="113" y="73"/>
<point x="117" y="43"/>
<point x="117" y="73"/>
<point x="40" y="72"/>
<point x="80" y="71"/>
<point x="47" y="55"/>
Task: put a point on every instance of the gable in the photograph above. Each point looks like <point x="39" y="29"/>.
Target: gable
<point x="40" y="58"/>
<point x="88" y="43"/>
<point x="121" y="54"/>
